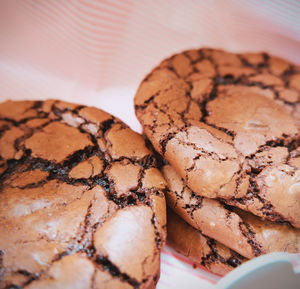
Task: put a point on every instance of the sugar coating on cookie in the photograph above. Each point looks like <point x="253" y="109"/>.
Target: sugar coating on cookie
<point x="229" y="124"/>
<point x="81" y="200"/>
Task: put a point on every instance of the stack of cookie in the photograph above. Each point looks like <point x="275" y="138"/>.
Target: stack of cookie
<point x="227" y="126"/>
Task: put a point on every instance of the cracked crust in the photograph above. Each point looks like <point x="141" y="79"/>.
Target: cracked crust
<point x="80" y="205"/>
<point x="220" y="119"/>
<point x="239" y="230"/>
<point x="199" y="248"/>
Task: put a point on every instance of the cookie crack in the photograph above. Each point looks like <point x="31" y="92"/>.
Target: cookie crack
<point x="32" y="277"/>
<point x="213" y="256"/>
<point x="3" y="129"/>
<point x="253" y="191"/>
<point x="42" y="115"/>
<point x="246" y="230"/>
<point x="133" y="197"/>
<point x="291" y="144"/>
<point x="212" y="95"/>
<point x="43" y="272"/>
<point x="163" y="142"/>
<point x="260" y="65"/>
<point x="158" y="239"/>
<point x="191" y="208"/>
<point x="115" y="272"/>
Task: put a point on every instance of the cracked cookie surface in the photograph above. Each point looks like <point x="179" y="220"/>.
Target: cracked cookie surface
<point x="229" y="124"/>
<point x="199" y="248"/>
<point x="81" y="200"/>
<point x="241" y="231"/>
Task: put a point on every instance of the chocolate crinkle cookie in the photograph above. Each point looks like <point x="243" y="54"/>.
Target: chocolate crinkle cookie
<point x="227" y="126"/>
<point x="81" y="200"/>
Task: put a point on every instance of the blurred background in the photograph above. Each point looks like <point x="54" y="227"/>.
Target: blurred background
<point x="74" y="48"/>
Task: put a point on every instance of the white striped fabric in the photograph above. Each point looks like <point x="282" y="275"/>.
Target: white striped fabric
<point x="114" y="43"/>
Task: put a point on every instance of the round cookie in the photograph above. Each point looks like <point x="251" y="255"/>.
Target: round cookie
<point x="229" y="124"/>
<point x="81" y="202"/>
<point x="239" y="230"/>
<point x="200" y="249"/>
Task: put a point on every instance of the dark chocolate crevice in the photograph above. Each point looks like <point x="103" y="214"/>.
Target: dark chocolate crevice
<point x="158" y="239"/>
<point x="160" y="161"/>
<point x="40" y="115"/>
<point x="227" y="131"/>
<point x="86" y="228"/>
<point x="114" y="271"/>
<point x="13" y="286"/>
<point x="165" y="140"/>
<point x="31" y="276"/>
<point x="291" y="144"/>
<point x="148" y="161"/>
<point x="203" y="105"/>
<point x="107" y="125"/>
<point x="13" y="165"/>
<point x="214" y="257"/>
<point x="191" y="208"/>
<point x="263" y="64"/>
<point x="3" y="129"/>
<point x="250" y="235"/>
<point x="253" y="191"/>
